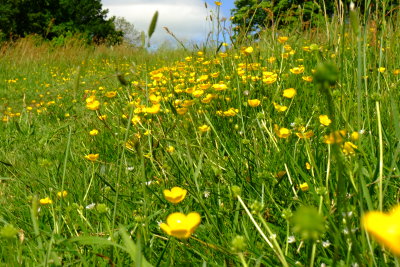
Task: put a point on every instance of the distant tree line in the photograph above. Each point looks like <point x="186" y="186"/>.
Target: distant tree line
<point x="254" y="15"/>
<point x="55" y="18"/>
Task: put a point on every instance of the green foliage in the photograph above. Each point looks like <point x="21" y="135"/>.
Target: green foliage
<point x="252" y="16"/>
<point x="55" y="18"/>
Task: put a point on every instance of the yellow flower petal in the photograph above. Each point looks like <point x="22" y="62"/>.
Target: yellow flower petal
<point x="385" y="228"/>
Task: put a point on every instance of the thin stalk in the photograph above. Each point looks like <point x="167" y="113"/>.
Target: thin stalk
<point x="242" y="259"/>
<point x="279" y="254"/>
<point x="380" y="178"/>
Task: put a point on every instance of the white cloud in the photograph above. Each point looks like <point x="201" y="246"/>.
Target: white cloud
<point x="185" y="18"/>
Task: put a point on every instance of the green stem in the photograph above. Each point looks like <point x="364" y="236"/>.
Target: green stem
<point x="242" y="259"/>
<point x="278" y="253"/>
<point x="380" y="156"/>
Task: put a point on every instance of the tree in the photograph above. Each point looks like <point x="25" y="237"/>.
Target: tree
<point x="131" y="35"/>
<point x="53" y="18"/>
<point x="253" y="15"/>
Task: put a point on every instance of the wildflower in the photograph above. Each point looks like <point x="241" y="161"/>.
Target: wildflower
<point x="335" y="137"/>
<point x="93" y="105"/>
<point x="62" y="194"/>
<point x="90" y="206"/>
<point x="217" y="3"/>
<point x="153" y="109"/>
<point x="348" y="148"/>
<point x="253" y="102"/>
<point x="326" y="243"/>
<point x="297" y="70"/>
<point x="204" y="128"/>
<point x="248" y="50"/>
<point x="287" y="48"/>
<point x="281" y="132"/>
<point x="384" y="227"/>
<point x="170" y="149"/>
<point x="308" y="166"/>
<point x="102" y="117"/>
<point x="307" y="78"/>
<point x="92" y="157"/>
<point x="381" y="69"/>
<point x="110" y="94"/>
<point x="324" y="120"/>
<point x="279" y="108"/>
<point x="291" y="239"/>
<point x="289" y="93"/>
<point x="45" y="201"/>
<point x="155" y="99"/>
<point x="305" y="135"/>
<point x="180" y="225"/>
<point x="94" y="132"/>
<point x="396" y="72"/>
<point x="198" y="93"/>
<point x="230" y="112"/>
<point x="304" y="187"/>
<point x="181" y="111"/>
<point x="282" y="39"/>
<point x="175" y="195"/>
<point x="219" y="86"/>
<point x="354" y="136"/>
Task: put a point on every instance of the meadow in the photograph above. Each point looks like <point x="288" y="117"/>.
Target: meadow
<point x="281" y="151"/>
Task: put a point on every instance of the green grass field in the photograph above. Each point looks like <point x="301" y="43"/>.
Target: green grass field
<point x="281" y="145"/>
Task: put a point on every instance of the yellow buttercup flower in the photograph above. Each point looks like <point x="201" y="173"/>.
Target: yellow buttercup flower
<point x="282" y="39"/>
<point x="204" y="128"/>
<point x="324" y="120"/>
<point x="297" y="70"/>
<point x="198" y="93"/>
<point x="154" y="99"/>
<point x="305" y="135"/>
<point x="348" y="148"/>
<point x="217" y="3"/>
<point x="304" y="187"/>
<point x="289" y="93"/>
<point x="110" y="94"/>
<point x="102" y="117"/>
<point x="384" y="227"/>
<point x="279" y="108"/>
<point x="62" y="194"/>
<point x="248" y="50"/>
<point x="180" y="225"/>
<point x="181" y="111"/>
<point x="308" y="166"/>
<point x="381" y="69"/>
<point x="354" y="136"/>
<point x="170" y="149"/>
<point x="45" y="201"/>
<point x="175" y="195"/>
<point x="92" y="157"/>
<point x="153" y="109"/>
<point x="253" y="102"/>
<point x="94" y="105"/>
<point x="281" y="132"/>
<point x="335" y="137"/>
<point x="94" y="132"/>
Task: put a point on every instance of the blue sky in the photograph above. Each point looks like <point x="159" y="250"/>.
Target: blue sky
<point x="187" y="19"/>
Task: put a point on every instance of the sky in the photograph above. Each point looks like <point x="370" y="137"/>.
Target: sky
<point x="187" y="19"/>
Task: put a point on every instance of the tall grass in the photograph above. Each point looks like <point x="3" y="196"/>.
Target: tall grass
<point x="266" y="196"/>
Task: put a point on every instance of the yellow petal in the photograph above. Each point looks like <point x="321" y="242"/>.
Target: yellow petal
<point x="385" y="228"/>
